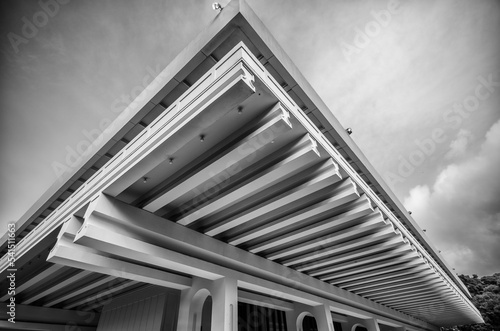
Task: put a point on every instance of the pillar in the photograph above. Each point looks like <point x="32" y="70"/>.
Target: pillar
<point x="323" y="317"/>
<point x="321" y="314"/>
<point x="224" y="293"/>
<point x="224" y="305"/>
<point x="291" y="319"/>
<point x="371" y="325"/>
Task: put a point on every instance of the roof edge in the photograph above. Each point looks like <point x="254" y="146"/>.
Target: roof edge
<point x="338" y="132"/>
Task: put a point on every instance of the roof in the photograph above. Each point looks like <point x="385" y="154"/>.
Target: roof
<point x="236" y="23"/>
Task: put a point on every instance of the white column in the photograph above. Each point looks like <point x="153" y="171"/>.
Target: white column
<point x="291" y="319"/>
<point x="323" y="317"/>
<point x="224" y="305"/>
<point x="351" y="322"/>
<point x="371" y="325"/>
<point x="321" y="314"/>
<point x="191" y="304"/>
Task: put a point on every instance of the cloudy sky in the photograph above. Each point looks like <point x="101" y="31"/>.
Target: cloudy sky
<point x="417" y="81"/>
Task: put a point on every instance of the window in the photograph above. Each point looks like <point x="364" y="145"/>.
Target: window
<point x="309" y="323"/>
<point x="256" y="318"/>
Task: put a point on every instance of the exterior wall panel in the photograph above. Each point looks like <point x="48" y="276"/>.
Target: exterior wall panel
<point x="147" y="309"/>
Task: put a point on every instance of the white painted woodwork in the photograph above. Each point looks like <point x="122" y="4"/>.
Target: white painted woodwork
<point x="149" y="310"/>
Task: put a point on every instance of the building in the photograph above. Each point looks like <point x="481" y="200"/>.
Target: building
<point x="226" y="197"/>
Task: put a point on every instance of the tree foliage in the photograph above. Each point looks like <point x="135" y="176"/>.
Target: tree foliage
<point x="485" y="293"/>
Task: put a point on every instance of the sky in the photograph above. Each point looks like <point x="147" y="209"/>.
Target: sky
<point x="417" y="81"/>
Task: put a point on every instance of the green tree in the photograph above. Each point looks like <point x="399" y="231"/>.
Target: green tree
<point x="485" y="292"/>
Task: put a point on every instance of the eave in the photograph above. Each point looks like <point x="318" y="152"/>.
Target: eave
<point x="236" y="23"/>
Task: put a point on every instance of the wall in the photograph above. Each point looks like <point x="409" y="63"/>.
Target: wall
<point x="148" y="309"/>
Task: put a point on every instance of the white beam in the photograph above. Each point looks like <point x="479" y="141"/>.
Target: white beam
<point x="118" y="225"/>
<point x="82" y="257"/>
<point x="355" y="209"/>
<point x="370" y="223"/>
<point x="228" y="82"/>
<point x="303" y="153"/>
<point x="371" y="270"/>
<point x="353" y="254"/>
<point x="240" y="154"/>
<point x="83" y="289"/>
<point x="56" y="287"/>
<point x="386" y="272"/>
<point x="390" y="283"/>
<point x="395" y="275"/>
<point x="91" y="302"/>
<point x="37" y="279"/>
<point x="407" y="293"/>
<point x="327" y="175"/>
<point x="327" y="249"/>
<point x="341" y="193"/>
<point x="369" y="261"/>
<point x="409" y="286"/>
<point x="413" y="299"/>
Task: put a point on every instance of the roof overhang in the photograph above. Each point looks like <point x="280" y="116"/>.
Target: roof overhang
<point x="121" y="156"/>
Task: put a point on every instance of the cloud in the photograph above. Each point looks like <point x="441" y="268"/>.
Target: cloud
<point x="458" y="147"/>
<point x="461" y="209"/>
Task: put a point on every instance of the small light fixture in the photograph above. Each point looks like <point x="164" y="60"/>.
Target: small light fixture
<point x="216" y="6"/>
<point x="145" y="179"/>
<point x="409" y="212"/>
<point x="349" y="131"/>
<point x="170" y="160"/>
<point x="202" y="137"/>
